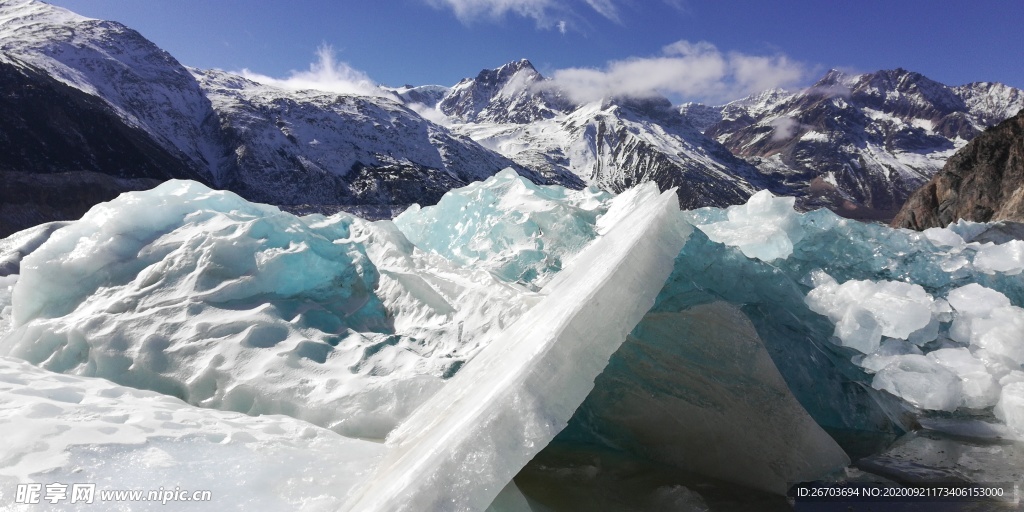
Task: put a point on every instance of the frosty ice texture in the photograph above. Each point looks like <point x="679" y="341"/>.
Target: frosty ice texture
<point x="69" y="429"/>
<point x="520" y="231"/>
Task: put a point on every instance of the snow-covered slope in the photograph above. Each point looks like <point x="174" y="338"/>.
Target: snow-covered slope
<point x="143" y="84"/>
<point x="312" y="147"/>
<point x="614" y="144"/>
<point x="858" y="144"/>
<point x="162" y="120"/>
<point x="90" y="433"/>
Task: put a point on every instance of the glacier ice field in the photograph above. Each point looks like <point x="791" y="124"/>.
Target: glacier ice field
<point x="514" y="347"/>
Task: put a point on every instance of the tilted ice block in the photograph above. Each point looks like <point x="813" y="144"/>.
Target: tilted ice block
<point x="684" y="390"/>
<point x="457" y="451"/>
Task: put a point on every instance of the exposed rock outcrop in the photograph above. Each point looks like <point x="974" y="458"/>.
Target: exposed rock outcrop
<point x="982" y="182"/>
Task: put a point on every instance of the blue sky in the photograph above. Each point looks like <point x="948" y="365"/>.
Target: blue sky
<point x="687" y="49"/>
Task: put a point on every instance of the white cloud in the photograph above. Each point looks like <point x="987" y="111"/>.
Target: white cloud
<point x="692" y="71"/>
<point x="784" y="128"/>
<point x="326" y="74"/>
<point x="605" y="8"/>
<point x="549" y="14"/>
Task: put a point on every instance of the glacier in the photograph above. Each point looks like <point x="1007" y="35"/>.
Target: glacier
<point x="440" y="353"/>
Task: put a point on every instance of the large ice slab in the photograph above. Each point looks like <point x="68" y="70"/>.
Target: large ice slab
<point x="459" y="449"/>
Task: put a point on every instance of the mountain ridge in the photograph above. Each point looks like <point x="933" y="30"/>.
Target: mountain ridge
<point x="857" y="144"/>
<point x="229" y="133"/>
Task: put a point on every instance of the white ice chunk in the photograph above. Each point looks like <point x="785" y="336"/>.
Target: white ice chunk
<point x="859" y="330"/>
<point x="766" y="227"/>
<point x="920" y="381"/>
<point x="979" y="388"/>
<point x="943" y="237"/>
<point x="1010" y="408"/>
<point x="975" y="300"/>
<point x="1006" y="258"/>
<point x="986" y="319"/>
<point x="887" y="353"/>
<point x="1002" y="332"/>
<point x="457" y="451"/>
<point x="864" y="311"/>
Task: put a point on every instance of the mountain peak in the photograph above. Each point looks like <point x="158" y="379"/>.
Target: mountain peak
<point x="507" y="94"/>
<point x="501" y="75"/>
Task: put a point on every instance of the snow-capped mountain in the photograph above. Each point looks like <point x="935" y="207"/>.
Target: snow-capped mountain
<point x="614" y="143"/>
<point x="141" y="83"/>
<point x="858" y="144"/>
<point x="513" y="93"/>
<point x="293" y="147"/>
<point x="268" y="144"/>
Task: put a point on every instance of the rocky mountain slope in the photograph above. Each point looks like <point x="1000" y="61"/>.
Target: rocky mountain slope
<point x="982" y="182"/>
<point x="613" y="144"/>
<point x="95" y="103"/>
<point x="858" y="144"/>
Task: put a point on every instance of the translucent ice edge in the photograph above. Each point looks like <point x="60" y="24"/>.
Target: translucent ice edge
<point x="458" y="450"/>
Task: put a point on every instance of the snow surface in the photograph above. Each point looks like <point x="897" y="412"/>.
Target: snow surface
<point x="69" y="429"/>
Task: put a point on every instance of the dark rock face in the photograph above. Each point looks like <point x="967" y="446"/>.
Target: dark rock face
<point x="28" y="199"/>
<point x="983" y="182"/>
<point x="49" y="127"/>
<point x="65" y="151"/>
